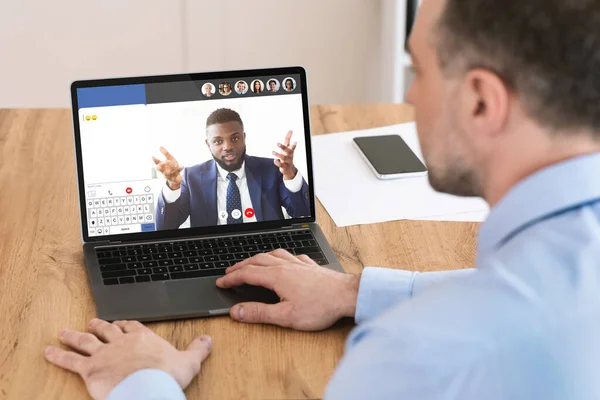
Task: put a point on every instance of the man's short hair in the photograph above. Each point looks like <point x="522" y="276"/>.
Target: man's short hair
<point x="223" y="115"/>
<point x="546" y="51"/>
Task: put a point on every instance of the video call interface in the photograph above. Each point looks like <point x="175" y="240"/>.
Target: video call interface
<point x="177" y="155"/>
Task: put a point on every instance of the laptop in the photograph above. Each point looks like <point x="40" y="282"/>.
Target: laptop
<point x="182" y="176"/>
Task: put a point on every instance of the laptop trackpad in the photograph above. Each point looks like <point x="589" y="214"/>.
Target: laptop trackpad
<point x="203" y="294"/>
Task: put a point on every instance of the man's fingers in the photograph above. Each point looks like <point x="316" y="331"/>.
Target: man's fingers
<point x="66" y="359"/>
<point x="283" y="255"/>
<point x="166" y="153"/>
<point x="263" y="259"/>
<point x="256" y="313"/>
<point x="198" y="350"/>
<point x="82" y="342"/>
<point x="306" y="259"/>
<point x="130" y="326"/>
<point x="105" y="331"/>
<point x="288" y="137"/>
<point x="293" y="147"/>
<point x="156" y="160"/>
<point x="250" y="274"/>
<point x="271" y="259"/>
<point x="287" y="150"/>
<point x="281" y="156"/>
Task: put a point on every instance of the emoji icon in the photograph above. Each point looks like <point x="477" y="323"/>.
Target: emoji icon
<point x="94" y="117"/>
<point x="87" y="117"/>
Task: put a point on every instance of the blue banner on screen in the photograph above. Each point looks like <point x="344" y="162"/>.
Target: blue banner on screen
<point x="111" y="96"/>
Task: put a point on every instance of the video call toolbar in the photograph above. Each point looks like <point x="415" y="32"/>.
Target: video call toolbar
<point x="187" y="90"/>
<point x="221" y="89"/>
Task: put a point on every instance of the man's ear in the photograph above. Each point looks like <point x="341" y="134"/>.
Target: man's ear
<point x="206" y="141"/>
<point x="485" y="102"/>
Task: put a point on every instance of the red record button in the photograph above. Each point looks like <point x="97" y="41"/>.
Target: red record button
<point x="129" y="190"/>
<point x="249" y="213"/>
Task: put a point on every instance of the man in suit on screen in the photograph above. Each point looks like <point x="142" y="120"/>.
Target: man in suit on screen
<point x="233" y="187"/>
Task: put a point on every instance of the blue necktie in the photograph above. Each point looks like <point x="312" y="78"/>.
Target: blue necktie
<point x="234" y="200"/>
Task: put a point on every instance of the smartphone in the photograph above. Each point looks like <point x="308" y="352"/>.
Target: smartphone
<point x="389" y="157"/>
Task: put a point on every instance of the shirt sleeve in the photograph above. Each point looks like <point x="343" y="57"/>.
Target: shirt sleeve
<point x="382" y="288"/>
<point x="431" y="347"/>
<point x="294" y="185"/>
<point x="171" y="196"/>
<point x="147" y="384"/>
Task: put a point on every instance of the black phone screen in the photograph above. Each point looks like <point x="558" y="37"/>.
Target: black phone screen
<point x="389" y="154"/>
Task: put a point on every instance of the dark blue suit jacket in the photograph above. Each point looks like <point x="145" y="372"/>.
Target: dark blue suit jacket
<point x="199" y="195"/>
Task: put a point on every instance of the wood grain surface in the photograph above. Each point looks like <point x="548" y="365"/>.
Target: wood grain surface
<point x="44" y="286"/>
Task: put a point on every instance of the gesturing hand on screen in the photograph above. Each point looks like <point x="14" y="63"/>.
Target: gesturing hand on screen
<point x="170" y="169"/>
<point x="285" y="160"/>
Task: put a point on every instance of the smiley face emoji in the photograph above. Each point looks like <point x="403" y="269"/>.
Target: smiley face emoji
<point x="87" y="117"/>
<point x="94" y="117"/>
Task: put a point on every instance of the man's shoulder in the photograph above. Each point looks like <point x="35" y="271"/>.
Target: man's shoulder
<point x="199" y="169"/>
<point x="481" y="310"/>
<point x="262" y="164"/>
<point x="260" y="160"/>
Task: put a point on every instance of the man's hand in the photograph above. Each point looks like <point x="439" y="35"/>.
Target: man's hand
<point x="312" y="298"/>
<point x="111" y="352"/>
<point x="285" y="158"/>
<point x="170" y="169"/>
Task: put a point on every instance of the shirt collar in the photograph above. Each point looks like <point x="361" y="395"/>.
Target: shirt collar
<point x="562" y="186"/>
<point x="241" y="173"/>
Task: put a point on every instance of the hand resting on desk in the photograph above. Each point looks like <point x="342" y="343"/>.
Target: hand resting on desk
<point x="111" y="352"/>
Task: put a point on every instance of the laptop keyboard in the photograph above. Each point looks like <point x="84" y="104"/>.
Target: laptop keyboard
<point x="196" y="258"/>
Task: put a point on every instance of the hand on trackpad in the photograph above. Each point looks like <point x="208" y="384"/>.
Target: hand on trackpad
<point x="257" y="293"/>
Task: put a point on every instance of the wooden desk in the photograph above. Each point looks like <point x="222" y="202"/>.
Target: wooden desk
<point x="44" y="287"/>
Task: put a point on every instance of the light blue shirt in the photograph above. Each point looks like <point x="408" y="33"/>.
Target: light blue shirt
<point x="525" y="324"/>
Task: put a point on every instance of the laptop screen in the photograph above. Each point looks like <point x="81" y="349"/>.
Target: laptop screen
<point x="193" y="153"/>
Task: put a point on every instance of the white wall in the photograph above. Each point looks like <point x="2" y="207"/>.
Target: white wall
<point x="44" y="45"/>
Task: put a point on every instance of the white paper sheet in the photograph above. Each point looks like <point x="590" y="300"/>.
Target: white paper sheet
<point x="352" y="195"/>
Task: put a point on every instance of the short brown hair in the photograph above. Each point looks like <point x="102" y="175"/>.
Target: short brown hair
<point x="546" y="51"/>
<point x="223" y="115"/>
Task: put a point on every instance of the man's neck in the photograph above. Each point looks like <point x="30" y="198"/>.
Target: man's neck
<point x="516" y="162"/>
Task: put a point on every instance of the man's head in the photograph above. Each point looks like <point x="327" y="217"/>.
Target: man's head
<point x="272" y="85"/>
<point x="492" y="75"/>
<point x="226" y="139"/>
<point x="241" y="86"/>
